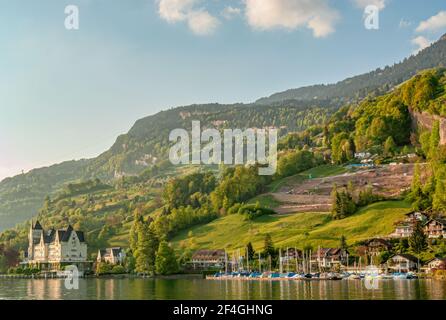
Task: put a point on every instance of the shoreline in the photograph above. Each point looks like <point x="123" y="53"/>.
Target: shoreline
<point x="110" y="276"/>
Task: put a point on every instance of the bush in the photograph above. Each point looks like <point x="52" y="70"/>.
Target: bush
<point x="254" y="211"/>
<point x="118" y="269"/>
<point x="103" y="268"/>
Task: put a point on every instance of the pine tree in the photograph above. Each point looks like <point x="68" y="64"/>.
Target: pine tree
<point x="418" y="240"/>
<point x="166" y="263"/>
<point x="439" y="197"/>
<point x="250" y="250"/>
<point x="389" y="147"/>
<point x="336" y="202"/>
<point x="268" y="247"/>
<point x="343" y="242"/>
<point x="147" y="247"/>
<point x="434" y="140"/>
<point x="416" y="192"/>
<point x="137" y="224"/>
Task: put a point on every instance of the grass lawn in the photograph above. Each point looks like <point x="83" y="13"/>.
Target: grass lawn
<point x="266" y="201"/>
<point x="302" y="229"/>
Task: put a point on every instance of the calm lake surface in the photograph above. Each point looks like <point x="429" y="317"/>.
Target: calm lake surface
<point x="152" y="289"/>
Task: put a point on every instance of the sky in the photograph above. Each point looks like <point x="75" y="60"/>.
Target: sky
<point x="67" y="94"/>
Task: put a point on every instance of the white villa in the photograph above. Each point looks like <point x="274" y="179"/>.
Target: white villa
<point x="111" y="255"/>
<point x="53" y="249"/>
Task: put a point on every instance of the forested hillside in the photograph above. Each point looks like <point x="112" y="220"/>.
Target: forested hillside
<point x="146" y="144"/>
<point x="377" y="82"/>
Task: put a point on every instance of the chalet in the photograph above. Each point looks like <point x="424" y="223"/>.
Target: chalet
<point x="404" y="229"/>
<point x="51" y="250"/>
<point x="435" y="228"/>
<point x="111" y="255"/>
<point x="203" y="259"/>
<point x="374" y="247"/>
<point x="329" y="257"/>
<point x="403" y="263"/>
<point x="290" y="254"/>
<point x="434" y="265"/>
<point x="363" y="155"/>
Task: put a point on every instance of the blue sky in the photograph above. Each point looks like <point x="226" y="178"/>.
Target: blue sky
<point x="68" y="94"/>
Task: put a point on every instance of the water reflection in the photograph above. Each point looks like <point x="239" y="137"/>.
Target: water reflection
<point x="149" y="289"/>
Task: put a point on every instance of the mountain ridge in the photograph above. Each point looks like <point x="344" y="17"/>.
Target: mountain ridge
<point x="147" y="140"/>
<point x="359" y="86"/>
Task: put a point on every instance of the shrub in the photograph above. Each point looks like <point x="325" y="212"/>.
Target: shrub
<point x="118" y="269"/>
<point x="253" y="211"/>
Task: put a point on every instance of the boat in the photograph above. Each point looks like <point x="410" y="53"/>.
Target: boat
<point x="399" y="276"/>
<point x="411" y="275"/>
<point x="255" y="275"/>
<point x="334" y="276"/>
<point x="274" y="275"/>
<point x="354" y="277"/>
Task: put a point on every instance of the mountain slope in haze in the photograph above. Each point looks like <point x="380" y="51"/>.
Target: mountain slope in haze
<point x="378" y="81"/>
<point x="23" y="194"/>
<point x="147" y="141"/>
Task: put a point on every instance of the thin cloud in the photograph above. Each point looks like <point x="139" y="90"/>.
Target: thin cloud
<point x="404" y="23"/>
<point x="199" y="20"/>
<point x="230" y="12"/>
<point x="421" y="42"/>
<point x="202" y="22"/>
<point x="315" y="15"/>
<point x="381" y="4"/>
<point x="434" y="23"/>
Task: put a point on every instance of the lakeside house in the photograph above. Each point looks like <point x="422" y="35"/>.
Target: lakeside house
<point x="290" y="255"/>
<point x="436" y="228"/>
<point x="205" y="259"/>
<point x="404" y="228"/>
<point x="374" y="247"/>
<point x="112" y="256"/>
<point x="434" y="265"/>
<point x="403" y="263"/>
<point x="329" y="257"/>
<point x="52" y="250"/>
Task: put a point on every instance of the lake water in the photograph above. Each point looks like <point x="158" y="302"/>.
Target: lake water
<point x="185" y="289"/>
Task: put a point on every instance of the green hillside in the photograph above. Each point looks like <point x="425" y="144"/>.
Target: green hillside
<point x="298" y="230"/>
<point x="147" y="141"/>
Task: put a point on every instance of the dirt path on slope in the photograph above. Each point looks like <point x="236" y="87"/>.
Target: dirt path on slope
<point x="313" y="195"/>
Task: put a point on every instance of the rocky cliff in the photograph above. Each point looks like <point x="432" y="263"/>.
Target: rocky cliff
<point x="426" y="120"/>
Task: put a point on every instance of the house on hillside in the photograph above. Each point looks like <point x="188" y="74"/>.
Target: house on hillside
<point x="435" y="228"/>
<point x="376" y="246"/>
<point x="403" y="263"/>
<point x="404" y="228"/>
<point x="52" y="250"/>
<point x="329" y="257"/>
<point x="111" y="255"/>
<point x="434" y="265"/>
<point x="205" y="259"/>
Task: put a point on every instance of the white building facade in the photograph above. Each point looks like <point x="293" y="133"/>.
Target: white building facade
<point x="53" y="249"/>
